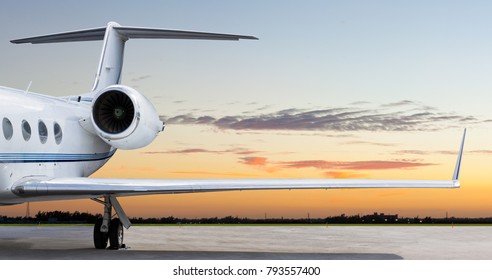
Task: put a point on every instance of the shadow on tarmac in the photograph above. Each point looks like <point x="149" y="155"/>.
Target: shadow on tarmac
<point x="21" y="253"/>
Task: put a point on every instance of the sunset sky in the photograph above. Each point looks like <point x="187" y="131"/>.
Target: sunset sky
<point x="333" y="89"/>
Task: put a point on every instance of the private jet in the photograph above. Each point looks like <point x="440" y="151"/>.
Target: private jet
<point x="51" y="145"/>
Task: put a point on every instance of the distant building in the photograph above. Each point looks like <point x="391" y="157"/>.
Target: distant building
<point x="380" y="218"/>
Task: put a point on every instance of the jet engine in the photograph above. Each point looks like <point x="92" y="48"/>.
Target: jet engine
<point x="124" y="118"/>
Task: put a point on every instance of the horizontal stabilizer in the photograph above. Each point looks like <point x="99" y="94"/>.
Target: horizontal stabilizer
<point x="95" y="34"/>
<point x="127" y="32"/>
<point x="154" y="33"/>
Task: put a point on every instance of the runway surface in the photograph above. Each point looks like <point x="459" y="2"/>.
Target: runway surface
<point x="253" y="242"/>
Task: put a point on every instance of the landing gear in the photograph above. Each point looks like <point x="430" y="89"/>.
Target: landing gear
<point x="106" y="229"/>
<point x="116" y="234"/>
<point x="100" y="238"/>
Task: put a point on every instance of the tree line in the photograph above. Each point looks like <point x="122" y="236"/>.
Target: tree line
<point x="62" y="217"/>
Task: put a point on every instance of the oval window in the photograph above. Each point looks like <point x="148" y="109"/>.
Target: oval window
<point x="26" y="130"/>
<point x="8" y="130"/>
<point x="43" y="132"/>
<point x="58" y="133"/>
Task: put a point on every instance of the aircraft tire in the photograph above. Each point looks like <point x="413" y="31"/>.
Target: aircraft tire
<point x="100" y="238"/>
<point x="115" y="234"/>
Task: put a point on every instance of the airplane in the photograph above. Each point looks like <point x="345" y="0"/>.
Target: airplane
<point x="51" y="145"/>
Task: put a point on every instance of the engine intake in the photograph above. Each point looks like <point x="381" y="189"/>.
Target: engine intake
<point x="124" y="118"/>
<point x="113" y="112"/>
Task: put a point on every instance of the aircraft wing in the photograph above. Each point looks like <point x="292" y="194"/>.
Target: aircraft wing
<point x="44" y="188"/>
<point x="51" y="188"/>
<point x="47" y="188"/>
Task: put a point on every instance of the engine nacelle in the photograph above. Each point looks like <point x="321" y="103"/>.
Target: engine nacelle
<point x="124" y="118"/>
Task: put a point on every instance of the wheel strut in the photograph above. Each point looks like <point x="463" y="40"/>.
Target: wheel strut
<point x="106" y="215"/>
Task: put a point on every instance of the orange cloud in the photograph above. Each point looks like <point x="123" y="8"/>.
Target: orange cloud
<point x="353" y="165"/>
<point x="213" y="174"/>
<point x="344" y="174"/>
<point x="336" y="169"/>
<point x="255" y="161"/>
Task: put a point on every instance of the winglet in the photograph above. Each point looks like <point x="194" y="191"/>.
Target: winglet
<point x="456" y="174"/>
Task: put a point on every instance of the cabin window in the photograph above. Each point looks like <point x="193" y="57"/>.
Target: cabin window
<point x="8" y="130"/>
<point x="58" y="133"/>
<point x="43" y="132"/>
<point x="26" y="130"/>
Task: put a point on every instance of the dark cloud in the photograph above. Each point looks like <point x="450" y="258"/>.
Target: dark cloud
<point x="416" y="117"/>
<point x="421" y="152"/>
<point x="185" y="151"/>
<point x="237" y="151"/>
<point x="136" y="79"/>
<point x="481" y="152"/>
<point x="412" y="152"/>
<point x="409" y="105"/>
<point x="371" y="143"/>
<point x="400" y="103"/>
<point x="264" y="108"/>
<point x="360" y="103"/>
<point x="453" y="153"/>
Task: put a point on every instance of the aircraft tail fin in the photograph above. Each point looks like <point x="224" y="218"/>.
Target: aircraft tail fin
<point x="115" y="36"/>
<point x="456" y="173"/>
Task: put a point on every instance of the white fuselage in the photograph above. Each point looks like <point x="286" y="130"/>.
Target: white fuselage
<point x="73" y="153"/>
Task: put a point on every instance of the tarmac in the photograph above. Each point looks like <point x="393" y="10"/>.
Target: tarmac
<point x="252" y="243"/>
